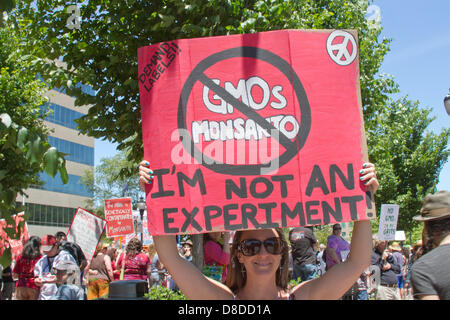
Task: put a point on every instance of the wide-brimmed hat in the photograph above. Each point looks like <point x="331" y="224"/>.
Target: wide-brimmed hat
<point x="189" y="242"/>
<point x="435" y="206"/>
<point x="66" y="265"/>
<point x="395" y="246"/>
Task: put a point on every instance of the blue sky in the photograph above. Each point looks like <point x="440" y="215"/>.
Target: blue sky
<point x="419" y="60"/>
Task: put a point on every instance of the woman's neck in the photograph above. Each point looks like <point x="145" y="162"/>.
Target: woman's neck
<point x="261" y="290"/>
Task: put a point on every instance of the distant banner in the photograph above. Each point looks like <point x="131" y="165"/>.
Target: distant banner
<point x="16" y="245"/>
<point x="86" y="230"/>
<point x="253" y="131"/>
<point x="119" y="217"/>
<point x="388" y="222"/>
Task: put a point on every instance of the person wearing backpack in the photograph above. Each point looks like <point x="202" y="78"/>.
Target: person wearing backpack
<point x="304" y="245"/>
<point x="73" y="248"/>
<point x="44" y="274"/>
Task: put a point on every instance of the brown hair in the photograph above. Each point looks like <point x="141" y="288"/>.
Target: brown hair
<point x="237" y="276"/>
<point x="434" y="229"/>
<point x="151" y="251"/>
<point x="134" y="247"/>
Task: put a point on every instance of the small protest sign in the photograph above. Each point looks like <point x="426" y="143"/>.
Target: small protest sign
<point x="119" y="217"/>
<point x="86" y="230"/>
<point x="253" y="131"/>
<point x="388" y="222"/>
<point x="16" y="245"/>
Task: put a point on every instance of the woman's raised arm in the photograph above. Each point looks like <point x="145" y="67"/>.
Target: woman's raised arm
<point x="341" y="277"/>
<point x="188" y="278"/>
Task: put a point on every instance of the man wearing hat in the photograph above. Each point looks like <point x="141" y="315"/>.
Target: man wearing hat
<point x="387" y="289"/>
<point x="68" y="281"/>
<point x="430" y="274"/>
<point x="186" y="250"/>
<point x="397" y="254"/>
<point x="43" y="275"/>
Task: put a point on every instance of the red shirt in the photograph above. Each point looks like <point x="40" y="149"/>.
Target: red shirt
<point x="135" y="267"/>
<point x="24" y="268"/>
<point x="214" y="255"/>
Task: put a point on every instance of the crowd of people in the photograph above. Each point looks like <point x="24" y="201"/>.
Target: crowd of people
<point x="248" y="264"/>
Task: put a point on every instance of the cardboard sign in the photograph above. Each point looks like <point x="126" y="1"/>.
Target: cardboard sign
<point x="119" y="217"/>
<point x="253" y="131"/>
<point x="86" y="230"/>
<point x="388" y="222"/>
<point x="142" y="226"/>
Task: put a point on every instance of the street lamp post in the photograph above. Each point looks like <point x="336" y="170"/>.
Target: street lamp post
<point x="447" y="103"/>
<point x="141" y="207"/>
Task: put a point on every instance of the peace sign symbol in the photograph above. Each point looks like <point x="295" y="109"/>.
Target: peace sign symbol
<point x="341" y="52"/>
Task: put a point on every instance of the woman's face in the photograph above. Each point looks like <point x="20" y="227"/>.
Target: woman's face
<point x="215" y="236"/>
<point x="263" y="263"/>
<point x="337" y="231"/>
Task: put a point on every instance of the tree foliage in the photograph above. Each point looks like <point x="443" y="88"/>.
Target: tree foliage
<point x="409" y="158"/>
<point x="103" y="51"/>
<point x="103" y="54"/>
<point x="24" y="147"/>
<point x="107" y="183"/>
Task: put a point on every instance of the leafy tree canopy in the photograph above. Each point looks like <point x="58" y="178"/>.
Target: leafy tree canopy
<point x="102" y="51"/>
<point x="24" y="147"/>
<point x="107" y="183"/>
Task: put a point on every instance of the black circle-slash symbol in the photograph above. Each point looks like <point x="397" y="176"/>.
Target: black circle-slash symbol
<point x="197" y="74"/>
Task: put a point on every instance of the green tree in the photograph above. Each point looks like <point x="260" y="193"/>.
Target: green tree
<point x="409" y="158"/>
<point x="107" y="183"/>
<point x="103" y="51"/>
<point x="24" y="147"/>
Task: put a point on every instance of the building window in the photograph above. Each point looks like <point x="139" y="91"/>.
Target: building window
<point x="74" y="186"/>
<point x="61" y="115"/>
<point x="40" y="214"/>
<point x="76" y="152"/>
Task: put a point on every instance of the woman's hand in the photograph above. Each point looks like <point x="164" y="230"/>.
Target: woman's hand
<point x="145" y="174"/>
<point x="368" y="176"/>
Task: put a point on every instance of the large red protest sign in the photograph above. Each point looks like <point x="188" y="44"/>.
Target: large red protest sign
<point x="253" y="131"/>
<point x="119" y="217"/>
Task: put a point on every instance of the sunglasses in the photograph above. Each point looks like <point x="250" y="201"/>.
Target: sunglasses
<point x="251" y="247"/>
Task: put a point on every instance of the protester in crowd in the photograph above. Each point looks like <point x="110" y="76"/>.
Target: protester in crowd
<point x="43" y="276"/>
<point x="430" y="277"/>
<point x="8" y="284"/>
<point x="186" y="250"/>
<point x="321" y="259"/>
<point x="68" y="282"/>
<point x="1" y="280"/>
<point x="362" y="286"/>
<point x="259" y="262"/>
<point x="135" y="263"/>
<point x="396" y="251"/>
<point x="100" y="274"/>
<point x="77" y="253"/>
<point x="215" y="253"/>
<point x="413" y="256"/>
<point x="387" y="290"/>
<point x="406" y="251"/>
<point x="23" y="270"/>
<point x="73" y="248"/>
<point x="304" y="246"/>
<point x="337" y="247"/>
<point x="156" y="267"/>
<point x="60" y="236"/>
<point x="113" y="254"/>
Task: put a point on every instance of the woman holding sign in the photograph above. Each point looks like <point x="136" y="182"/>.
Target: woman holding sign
<point x="259" y="261"/>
